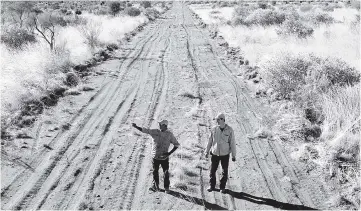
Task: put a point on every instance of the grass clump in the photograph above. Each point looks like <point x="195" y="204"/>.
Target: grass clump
<point x="132" y="11"/>
<point x="293" y="26"/>
<point x="151" y="13"/>
<point x="265" y="17"/>
<point x="293" y="75"/>
<point x="17" y="38"/>
<point x="321" y="18"/>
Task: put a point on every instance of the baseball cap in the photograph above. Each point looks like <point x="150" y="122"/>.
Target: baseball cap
<point x="220" y="115"/>
<point x="163" y="122"/>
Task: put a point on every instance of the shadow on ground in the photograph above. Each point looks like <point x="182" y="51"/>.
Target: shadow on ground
<point x="266" y="201"/>
<point x="198" y="201"/>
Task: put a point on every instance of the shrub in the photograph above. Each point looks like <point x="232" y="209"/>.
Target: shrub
<point x="146" y="4"/>
<point x="286" y="75"/>
<point x="292" y="26"/>
<point x="262" y="5"/>
<point x="151" y="13"/>
<point x="17" y="38"/>
<point x="321" y="18"/>
<point x="293" y="76"/>
<point x="78" y="12"/>
<point x="114" y="8"/>
<point x="265" y="17"/>
<point x="91" y="32"/>
<point x="328" y="72"/>
<point x="132" y="11"/>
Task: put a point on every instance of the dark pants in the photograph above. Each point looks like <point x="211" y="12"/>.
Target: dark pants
<point x="165" y="167"/>
<point x="214" y="166"/>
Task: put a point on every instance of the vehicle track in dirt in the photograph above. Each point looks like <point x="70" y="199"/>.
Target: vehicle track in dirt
<point x="100" y="162"/>
<point x="272" y="184"/>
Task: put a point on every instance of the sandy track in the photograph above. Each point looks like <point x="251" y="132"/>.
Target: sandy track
<point x="101" y="163"/>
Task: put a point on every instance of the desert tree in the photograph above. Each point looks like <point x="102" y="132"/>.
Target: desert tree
<point x="90" y="30"/>
<point x="45" y="24"/>
<point x="20" y="11"/>
<point x="114" y="8"/>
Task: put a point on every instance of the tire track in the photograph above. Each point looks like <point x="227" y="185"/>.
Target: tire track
<point x="47" y="171"/>
<point x="303" y="197"/>
<point x="141" y="82"/>
<point x="129" y="185"/>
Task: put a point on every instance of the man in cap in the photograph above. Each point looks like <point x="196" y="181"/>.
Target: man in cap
<point x="221" y="143"/>
<point x="162" y="139"/>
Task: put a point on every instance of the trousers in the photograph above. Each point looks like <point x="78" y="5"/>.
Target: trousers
<point x="215" y="160"/>
<point x="165" y="166"/>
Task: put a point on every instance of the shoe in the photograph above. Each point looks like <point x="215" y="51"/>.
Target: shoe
<point x="154" y="188"/>
<point x="223" y="190"/>
<point x="166" y="190"/>
<point x="210" y="189"/>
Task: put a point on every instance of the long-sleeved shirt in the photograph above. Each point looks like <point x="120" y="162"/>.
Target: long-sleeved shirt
<point x="161" y="142"/>
<point x="221" y="142"/>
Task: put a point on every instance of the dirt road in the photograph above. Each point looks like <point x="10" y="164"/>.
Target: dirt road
<point x="100" y="162"/>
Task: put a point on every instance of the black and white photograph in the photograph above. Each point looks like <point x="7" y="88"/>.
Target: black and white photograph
<point x="180" y="105"/>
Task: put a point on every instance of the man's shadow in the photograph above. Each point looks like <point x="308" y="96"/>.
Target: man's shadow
<point x="266" y="201"/>
<point x="195" y="200"/>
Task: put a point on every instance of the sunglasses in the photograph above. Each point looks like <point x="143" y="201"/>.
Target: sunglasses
<point x="220" y="119"/>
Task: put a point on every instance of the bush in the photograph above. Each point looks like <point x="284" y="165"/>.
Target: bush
<point x="132" y="11"/>
<point x="114" y="8"/>
<point x="265" y="17"/>
<point x="146" y="4"/>
<point x="293" y="76"/>
<point x="78" y="12"/>
<point x="17" y="38"/>
<point x="321" y="18"/>
<point x="328" y="72"/>
<point x="151" y="13"/>
<point x="262" y="5"/>
<point x="292" y="26"/>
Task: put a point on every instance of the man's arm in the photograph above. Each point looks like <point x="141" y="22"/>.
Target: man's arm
<point x="137" y="127"/>
<point x="208" y="148"/>
<point x="175" y="143"/>
<point x="233" y="146"/>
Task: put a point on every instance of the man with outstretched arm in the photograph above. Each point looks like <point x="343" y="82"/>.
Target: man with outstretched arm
<point x="162" y="138"/>
<point x="220" y="145"/>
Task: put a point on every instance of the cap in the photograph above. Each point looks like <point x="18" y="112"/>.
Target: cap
<point x="220" y="115"/>
<point x="163" y="122"/>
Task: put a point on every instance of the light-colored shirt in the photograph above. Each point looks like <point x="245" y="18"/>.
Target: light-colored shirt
<point x="161" y="142"/>
<point x="222" y="142"/>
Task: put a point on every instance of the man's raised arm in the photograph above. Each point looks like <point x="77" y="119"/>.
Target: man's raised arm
<point x="137" y="127"/>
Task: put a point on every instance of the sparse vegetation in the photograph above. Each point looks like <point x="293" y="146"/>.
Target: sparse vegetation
<point x="114" y="8"/>
<point x="132" y="11"/>
<point x="16" y="38"/>
<point x="296" y="27"/>
<point x="315" y="92"/>
<point x="36" y="25"/>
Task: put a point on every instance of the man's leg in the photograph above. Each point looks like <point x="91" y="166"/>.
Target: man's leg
<point x="212" y="174"/>
<point x="156" y="173"/>
<point x="165" y="167"/>
<point x="224" y="164"/>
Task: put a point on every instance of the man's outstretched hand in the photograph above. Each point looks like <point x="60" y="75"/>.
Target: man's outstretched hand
<point x="233" y="159"/>
<point x="137" y="127"/>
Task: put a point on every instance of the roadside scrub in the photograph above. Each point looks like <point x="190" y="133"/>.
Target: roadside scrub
<point x="46" y="51"/>
<point x="304" y="61"/>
